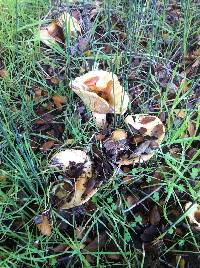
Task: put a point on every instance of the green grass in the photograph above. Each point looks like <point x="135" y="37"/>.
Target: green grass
<point x="24" y="175"/>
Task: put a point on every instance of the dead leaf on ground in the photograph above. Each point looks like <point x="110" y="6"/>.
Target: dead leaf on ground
<point x="191" y="129"/>
<point x="180" y="113"/>
<point x="154" y="215"/>
<point x="185" y="85"/>
<point x="42" y="223"/>
<point x="3" y="73"/>
<point x="47" y="146"/>
<point x="59" y="101"/>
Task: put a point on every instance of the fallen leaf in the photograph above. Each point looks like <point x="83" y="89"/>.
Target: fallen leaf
<point x="180" y="113"/>
<point x="114" y="256"/>
<point x="154" y="215"/>
<point x="97" y="243"/>
<point x="38" y="93"/>
<point x="43" y="224"/>
<point x="55" y="80"/>
<point x="3" y="73"/>
<point x="185" y="85"/>
<point x="191" y="129"/>
<point x="47" y="146"/>
<point x="100" y="137"/>
<point x="58" y="101"/>
<point x="119" y="134"/>
<point x="88" y="53"/>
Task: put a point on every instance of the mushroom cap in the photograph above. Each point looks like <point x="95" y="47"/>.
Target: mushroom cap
<point x="147" y="125"/>
<point x="193" y="213"/>
<point x="51" y="34"/>
<point x="150" y="124"/>
<point x="55" y="31"/>
<point x="65" y="161"/>
<point x="70" y="160"/>
<point x="101" y="91"/>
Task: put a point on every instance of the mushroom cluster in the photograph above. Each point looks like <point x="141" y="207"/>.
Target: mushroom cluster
<point x="135" y="143"/>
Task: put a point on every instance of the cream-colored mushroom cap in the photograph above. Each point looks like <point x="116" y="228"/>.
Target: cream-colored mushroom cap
<point x="69" y="22"/>
<point x="71" y="158"/>
<point x="149" y="126"/>
<point x="101" y="92"/>
<point x="64" y="159"/>
<point x="56" y="30"/>
<point x="193" y="213"/>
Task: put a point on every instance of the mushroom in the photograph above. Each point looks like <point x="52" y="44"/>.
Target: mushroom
<point x="193" y="213"/>
<point x="102" y="93"/>
<point x="54" y="32"/>
<point x="74" y="165"/>
<point x="150" y="127"/>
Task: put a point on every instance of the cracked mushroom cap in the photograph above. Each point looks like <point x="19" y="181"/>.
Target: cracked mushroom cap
<point x="101" y="92"/>
<point x="148" y="126"/>
<point x="74" y="164"/>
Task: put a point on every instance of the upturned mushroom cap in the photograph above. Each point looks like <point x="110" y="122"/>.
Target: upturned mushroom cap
<point x="149" y="126"/>
<point x="55" y="31"/>
<point x="51" y="34"/>
<point x="101" y="92"/>
<point x="78" y="164"/>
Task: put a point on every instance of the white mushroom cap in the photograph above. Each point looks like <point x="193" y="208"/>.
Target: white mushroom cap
<point x="151" y="125"/>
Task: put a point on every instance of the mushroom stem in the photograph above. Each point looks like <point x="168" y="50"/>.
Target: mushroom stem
<point x="100" y="119"/>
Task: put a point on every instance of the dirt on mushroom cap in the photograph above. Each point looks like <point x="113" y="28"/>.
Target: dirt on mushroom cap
<point x="76" y="165"/>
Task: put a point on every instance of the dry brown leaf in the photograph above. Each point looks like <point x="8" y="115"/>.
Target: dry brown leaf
<point x="114" y="256"/>
<point x="55" y="80"/>
<point x="47" y="146"/>
<point x="43" y="224"/>
<point x="185" y="85"/>
<point x="191" y="129"/>
<point x="3" y="73"/>
<point x="119" y="134"/>
<point x="58" y="101"/>
<point x="180" y="113"/>
<point x="154" y="215"/>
